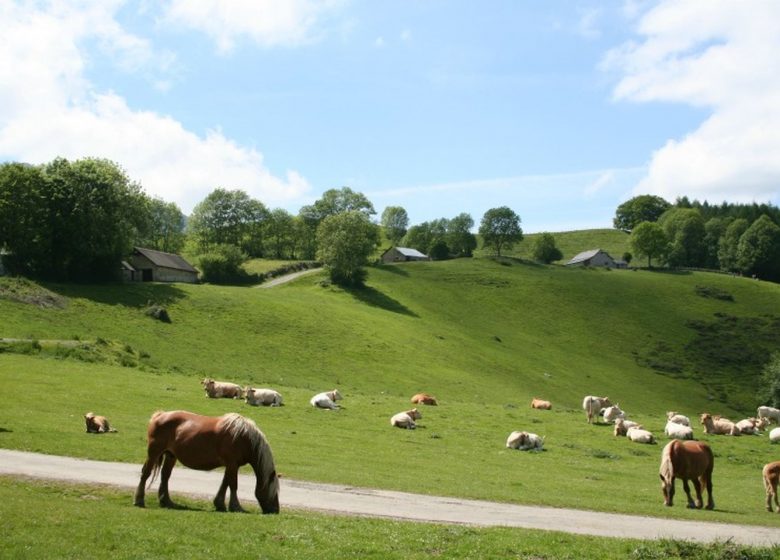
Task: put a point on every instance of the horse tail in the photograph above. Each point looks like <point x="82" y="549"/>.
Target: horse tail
<point x="156" y="469"/>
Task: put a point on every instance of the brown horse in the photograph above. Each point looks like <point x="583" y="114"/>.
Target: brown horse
<point x="688" y="460"/>
<point x="205" y="443"/>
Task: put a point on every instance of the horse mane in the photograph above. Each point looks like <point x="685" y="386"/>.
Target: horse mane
<point x="667" y="468"/>
<point x="240" y="426"/>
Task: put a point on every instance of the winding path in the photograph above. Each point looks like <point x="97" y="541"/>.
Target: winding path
<point x="287" y="278"/>
<point x="349" y="500"/>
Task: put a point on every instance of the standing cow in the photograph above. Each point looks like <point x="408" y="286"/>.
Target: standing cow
<point x="593" y="405"/>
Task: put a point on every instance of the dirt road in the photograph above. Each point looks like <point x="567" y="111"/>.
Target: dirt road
<point x="287" y="278"/>
<point x="399" y="505"/>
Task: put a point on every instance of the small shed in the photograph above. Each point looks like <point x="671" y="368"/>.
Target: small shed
<point x="403" y="254"/>
<point x="594" y="257"/>
<point x="157" y="266"/>
<point x="129" y="274"/>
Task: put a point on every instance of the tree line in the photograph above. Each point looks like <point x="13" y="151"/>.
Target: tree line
<point x="76" y="221"/>
<point x="736" y="238"/>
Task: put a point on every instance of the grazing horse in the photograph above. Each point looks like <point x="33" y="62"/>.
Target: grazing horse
<point x="688" y="460"/>
<point x="771" y="474"/>
<point x="205" y="443"/>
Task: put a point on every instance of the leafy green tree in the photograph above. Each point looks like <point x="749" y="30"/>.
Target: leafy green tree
<point x="769" y="392"/>
<point x="500" y="229"/>
<point x="460" y="240"/>
<point x="222" y="265"/>
<point x="728" y="245"/>
<point x="229" y="217"/>
<point x="69" y="220"/>
<point x="395" y="222"/>
<point x="642" y="208"/>
<point x="424" y="236"/>
<point x="684" y="228"/>
<point x="544" y="249"/>
<point x="332" y="202"/>
<point x="164" y="228"/>
<point x="714" y="230"/>
<point x="648" y="239"/>
<point x="758" y="251"/>
<point x="280" y="234"/>
<point x="345" y="241"/>
<point x="24" y="226"/>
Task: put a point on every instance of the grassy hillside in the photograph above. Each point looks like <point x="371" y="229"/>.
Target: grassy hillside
<point x="570" y="243"/>
<point x="481" y="335"/>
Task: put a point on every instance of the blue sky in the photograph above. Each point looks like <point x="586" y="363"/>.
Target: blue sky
<point x="560" y="110"/>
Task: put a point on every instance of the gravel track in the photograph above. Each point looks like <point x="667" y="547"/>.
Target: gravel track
<point x="348" y="500"/>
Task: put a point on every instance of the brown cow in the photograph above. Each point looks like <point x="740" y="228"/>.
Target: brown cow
<point x="97" y="424"/>
<point x="424" y="398"/>
<point x="219" y="389"/>
<point x="541" y="404"/>
<point x="771" y="474"/>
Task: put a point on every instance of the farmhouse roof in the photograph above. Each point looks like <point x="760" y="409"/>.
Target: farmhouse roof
<point x="166" y="260"/>
<point x="584" y="256"/>
<point x="407" y="252"/>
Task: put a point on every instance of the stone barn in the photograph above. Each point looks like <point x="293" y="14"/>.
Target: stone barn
<point x="156" y="266"/>
<point x="403" y="254"/>
<point x="594" y="257"/>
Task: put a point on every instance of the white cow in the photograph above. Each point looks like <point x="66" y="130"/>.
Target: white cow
<point x="640" y="435"/>
<point x="675" y="430"/>
<point x="612" y="413"/>
<point x="406" y="419"/>
<point x="262" y="397"/>
<point x="524" y="441"/>
<point x="748" y="426"/>
<point x="593" y="405"/>
<point x="622" y="425"/>
<point x="774" y="435"/>
<point x="672" y="416"/>
<point x="220" y="389"/>
<point x="769" y="412"/>
<point x="326" y="400"/>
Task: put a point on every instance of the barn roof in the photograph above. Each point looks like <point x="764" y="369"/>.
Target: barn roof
<point x="166" y="260"/>
<point x="584" y="256"/>
<point x="407" y="252"/>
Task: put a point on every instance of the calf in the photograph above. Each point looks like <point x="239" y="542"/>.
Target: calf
<point x="406" y="419"/>
<point x="221" y="389"/>
<point x="524" y="441"/>
<point x="326" y="400"/>
<point x="612" y="413"/>
<point x="97" y="424"/>
<point x="678" y="431"/>
<point x="424" y="398"/>
<point x="639" y="435"/>
<point x="541" y="404"/>
<point x="771" y="474"/>
<point x="672" y="416"/>
<point x="262" y="397"/>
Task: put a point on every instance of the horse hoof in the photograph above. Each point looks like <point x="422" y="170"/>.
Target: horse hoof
<point x="141" y="504"/>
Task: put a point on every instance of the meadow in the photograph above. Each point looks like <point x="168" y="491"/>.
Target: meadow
<point x="484" y="336"/>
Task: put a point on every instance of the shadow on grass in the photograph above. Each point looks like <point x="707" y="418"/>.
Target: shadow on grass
<point x="130" y="294"/>
<point x="395" y="269"/>
<point x="6" y="431"/>
<point x="375" y="298"/>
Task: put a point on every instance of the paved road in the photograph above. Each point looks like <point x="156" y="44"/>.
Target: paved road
<point x="398" y="505"/>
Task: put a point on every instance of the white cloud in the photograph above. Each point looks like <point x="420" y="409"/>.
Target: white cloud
<point x="49" y="109"/>
<point x="722" y="56"/>
<point x="587" y="25"/>
<point x="265" y="22"/>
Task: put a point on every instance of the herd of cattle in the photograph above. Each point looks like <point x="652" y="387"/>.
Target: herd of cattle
<point x="677" y="426"/>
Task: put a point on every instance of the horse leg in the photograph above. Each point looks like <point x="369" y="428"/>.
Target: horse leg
<point x="697" y="485"/>
<point x="169" y="461"/>
<point x="219" y="499"/>
<point x="153" y="456"/>
<point x="231" y="476"/>
<point x="710" y="500"/>
<point x="687" y="488"/>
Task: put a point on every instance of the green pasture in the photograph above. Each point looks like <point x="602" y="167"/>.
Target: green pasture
<point x="570" y="243"/>
<point x="45" y="520"/>
<point x="483" y="336"/>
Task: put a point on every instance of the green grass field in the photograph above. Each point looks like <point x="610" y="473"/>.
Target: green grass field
<point x="483" y="336"/>
<point x="570" y="243"/>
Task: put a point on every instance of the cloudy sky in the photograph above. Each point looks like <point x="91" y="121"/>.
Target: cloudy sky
<point x="559" y="109"/>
